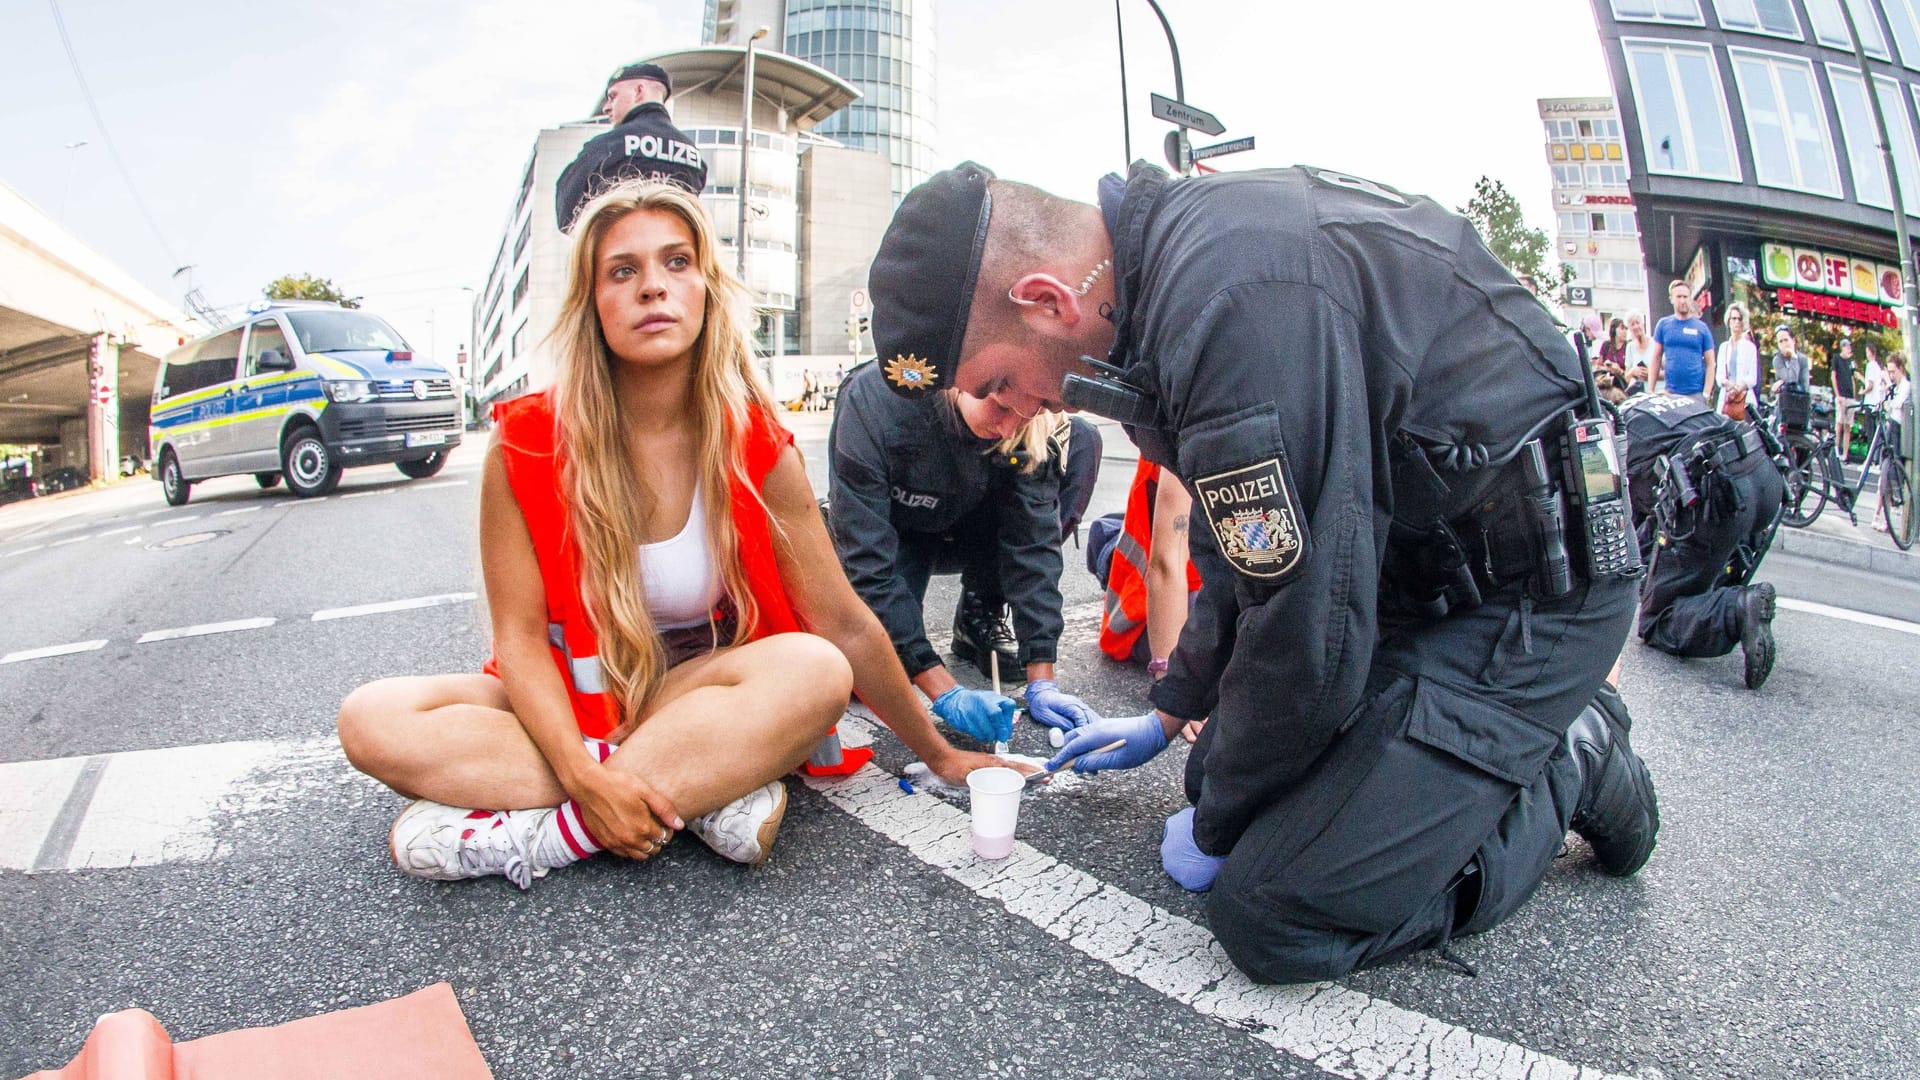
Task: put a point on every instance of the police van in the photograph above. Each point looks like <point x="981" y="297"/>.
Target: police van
<point x="300" y="390"/>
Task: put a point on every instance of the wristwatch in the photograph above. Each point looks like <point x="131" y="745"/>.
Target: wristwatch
<point x="1157" y="666"/>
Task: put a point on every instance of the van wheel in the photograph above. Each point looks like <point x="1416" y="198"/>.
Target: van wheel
<point x="267" y="480"/>
<point x="173" y="485"/>
<point x="421" y="468"/>
<point x="308" y="465"/>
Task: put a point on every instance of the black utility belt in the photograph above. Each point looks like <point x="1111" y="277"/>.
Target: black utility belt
<point x="1721" y="450"/>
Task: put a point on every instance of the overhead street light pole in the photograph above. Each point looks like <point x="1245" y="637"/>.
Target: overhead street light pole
<point x="746" y="147"/>
<point x="1179" y="80"/>
<point x="1910" y="290"/>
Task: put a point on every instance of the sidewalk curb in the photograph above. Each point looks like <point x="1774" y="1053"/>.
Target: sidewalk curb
<point x="1832" y="549"/>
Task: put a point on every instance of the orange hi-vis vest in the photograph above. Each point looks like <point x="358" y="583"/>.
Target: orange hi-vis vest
<point x="529" y="449"/>
<point x="1124" y="617"/>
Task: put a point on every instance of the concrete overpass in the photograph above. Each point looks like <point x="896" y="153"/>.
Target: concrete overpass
<point x="80" y="345"/>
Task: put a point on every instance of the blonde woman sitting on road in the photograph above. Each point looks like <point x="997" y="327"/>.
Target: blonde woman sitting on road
<point x="672" y="632"/>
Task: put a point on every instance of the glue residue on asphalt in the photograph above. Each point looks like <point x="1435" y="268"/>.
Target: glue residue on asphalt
<point x="926" y="781"/>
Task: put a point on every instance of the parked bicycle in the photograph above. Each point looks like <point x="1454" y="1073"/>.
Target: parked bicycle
<point x="1814" y="474"/>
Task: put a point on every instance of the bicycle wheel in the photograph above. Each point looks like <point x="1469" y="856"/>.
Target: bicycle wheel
<point x="1896" y="501"/>
<point x="1806" y="477"/>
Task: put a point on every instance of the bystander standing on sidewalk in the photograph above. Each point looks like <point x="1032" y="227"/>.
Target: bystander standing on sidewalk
<point x="1842" y="381"/>
<point x="1681" y="344"/>
<point x="1736" y="365"/>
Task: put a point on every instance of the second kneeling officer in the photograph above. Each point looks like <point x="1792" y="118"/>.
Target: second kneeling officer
<point x="1707" y="498"/>
<point x="949" y="482"/>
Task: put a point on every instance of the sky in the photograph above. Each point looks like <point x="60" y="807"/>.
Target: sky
<point x="381" y="144"/>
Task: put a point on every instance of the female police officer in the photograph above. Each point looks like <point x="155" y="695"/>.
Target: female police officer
<point x="950" y="482"/>
<point x="1374" y="418"/>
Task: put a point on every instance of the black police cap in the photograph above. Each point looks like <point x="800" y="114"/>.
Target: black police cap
<point x="643" y="71"/>
<point x="923" y="277"/>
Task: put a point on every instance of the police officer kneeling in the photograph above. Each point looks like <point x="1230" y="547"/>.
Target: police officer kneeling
<point x="946" y="483"/>
<point x="1706" y="498"/>
<point x="1404" y="673"/>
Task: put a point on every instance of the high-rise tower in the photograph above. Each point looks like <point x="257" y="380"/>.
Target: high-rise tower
<point x="885" y="48"/>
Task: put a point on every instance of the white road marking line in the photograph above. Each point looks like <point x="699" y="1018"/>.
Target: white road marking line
<point x="364" y="494"/>
<point x="1849" y="615"/>
<point x="439" y="484"/>
<point x="306" y="502"/>
<point x="154" y="806"/>
<point x="71" y="540"/>
<point x="178" y="520"/>
<point x="159" y="806"/>
<point x="150" y="513"/>
<point x="135" y="539"/>
<point x="52" y="650"/>
<point x="1337" y="1030"/>
<point x="31" y="795"/>
<point x="392" y="605"/>
<point x="204" y="629"/>
<point x="242" y="510"/>
<point x="121" y="529"/>
<point x="24" y="550"/>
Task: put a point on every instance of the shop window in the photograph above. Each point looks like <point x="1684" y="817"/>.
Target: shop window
<point x="1683" y="114"/>
<point x="1786" y="122"/>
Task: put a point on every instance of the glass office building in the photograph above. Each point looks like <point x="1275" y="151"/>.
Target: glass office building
<point x="885" y="48"/>
<point x="1752" y="157"/>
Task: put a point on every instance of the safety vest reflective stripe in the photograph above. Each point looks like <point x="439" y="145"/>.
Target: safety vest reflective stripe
<point x="583" y="671"/>
<point x="1118" y="620"/>
<point x="1125" y="615"/>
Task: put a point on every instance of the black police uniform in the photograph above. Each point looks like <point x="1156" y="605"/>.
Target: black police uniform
<point x="913" y="493"/>
<point x="644" y="145"/>
<point x="1695" y="601"/>
<point x="1334" y="369"/>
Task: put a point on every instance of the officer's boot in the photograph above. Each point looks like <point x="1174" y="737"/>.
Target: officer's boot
<point x="1617" y="813"/>
<point x="1756" y="632"/>
<point x="979" y="628"/>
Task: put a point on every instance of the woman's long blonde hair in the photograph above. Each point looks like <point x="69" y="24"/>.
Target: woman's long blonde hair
<point x="607" y="498"/>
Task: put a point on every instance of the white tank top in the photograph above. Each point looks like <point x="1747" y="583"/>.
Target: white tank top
<point x="679" y="576"/>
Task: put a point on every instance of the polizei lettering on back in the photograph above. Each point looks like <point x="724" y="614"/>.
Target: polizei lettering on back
<point x="1251" y="512"/>
<point x="660" y="149"/>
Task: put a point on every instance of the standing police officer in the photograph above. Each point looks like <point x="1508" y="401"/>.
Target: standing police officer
<point x="643" y="145"/>
<point x="931" y="484"/>
<point x="1706" y="498"/>
<point x="1405" y="674"/>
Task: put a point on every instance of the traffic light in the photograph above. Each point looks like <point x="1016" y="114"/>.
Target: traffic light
<point x="857" y="325"/>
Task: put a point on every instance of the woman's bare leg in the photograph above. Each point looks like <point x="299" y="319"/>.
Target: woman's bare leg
<point x="725" y="724"/>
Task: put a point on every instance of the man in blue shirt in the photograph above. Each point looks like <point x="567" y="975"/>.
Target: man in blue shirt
<point x="1681" y="345"/>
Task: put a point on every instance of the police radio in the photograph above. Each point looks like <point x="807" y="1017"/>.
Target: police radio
<point x="1596" y="488"/>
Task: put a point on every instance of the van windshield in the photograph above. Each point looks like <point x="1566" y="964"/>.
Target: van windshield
<point x="343" y="331"/>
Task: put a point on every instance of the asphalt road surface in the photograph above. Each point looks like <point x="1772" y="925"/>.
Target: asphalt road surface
<point x="179" y="832"/>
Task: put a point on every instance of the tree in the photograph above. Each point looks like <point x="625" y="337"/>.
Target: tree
<point x="308" y="287"/>
<point x="1496" y="213"/>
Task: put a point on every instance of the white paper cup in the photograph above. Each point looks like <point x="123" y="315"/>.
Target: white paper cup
<point x="995" y="796"/>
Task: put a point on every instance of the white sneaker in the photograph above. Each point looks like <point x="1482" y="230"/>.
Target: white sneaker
<point x="743" y="830"/>
<point x="449" y="843"/>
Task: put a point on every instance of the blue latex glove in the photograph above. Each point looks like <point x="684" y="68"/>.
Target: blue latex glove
<point x="983" y="714"/>
<point x="1182" y="858"/>
<point x="1048" y="705"/>
<point x="1143" y="735"/>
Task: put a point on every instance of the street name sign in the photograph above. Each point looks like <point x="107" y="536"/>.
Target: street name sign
<point x="1179" y="112"/>
<point x="1202" y="153"/>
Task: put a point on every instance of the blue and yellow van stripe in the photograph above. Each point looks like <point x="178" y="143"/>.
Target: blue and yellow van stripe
<point x="265" y="397"/>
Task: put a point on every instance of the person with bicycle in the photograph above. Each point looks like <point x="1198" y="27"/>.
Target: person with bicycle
<point x="1706" y="499"/>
